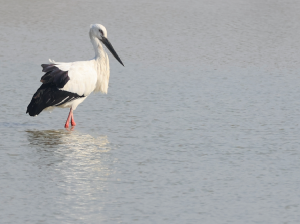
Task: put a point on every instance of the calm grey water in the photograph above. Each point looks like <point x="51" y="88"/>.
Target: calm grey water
<point x="200" y="126"/>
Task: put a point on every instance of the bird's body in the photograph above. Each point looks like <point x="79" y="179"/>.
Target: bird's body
<point x="67" y="85"/>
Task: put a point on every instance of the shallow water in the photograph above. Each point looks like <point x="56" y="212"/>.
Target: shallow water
<point x="200" y="126"/>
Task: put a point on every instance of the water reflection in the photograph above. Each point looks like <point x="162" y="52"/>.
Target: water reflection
<point x="76" y="163"/>
<point x="68" y="139"/>
<point x="69" y="171"/>
<point x="47" y="138"/>
<point x="69" y="147"/>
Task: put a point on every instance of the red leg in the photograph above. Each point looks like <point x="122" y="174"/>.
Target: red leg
<point x="72" y="120"/>
<point x="68" y="120"/>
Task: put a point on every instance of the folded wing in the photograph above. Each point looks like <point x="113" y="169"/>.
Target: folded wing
<point x="58" y="87"/>
<point x="54" y="75"/>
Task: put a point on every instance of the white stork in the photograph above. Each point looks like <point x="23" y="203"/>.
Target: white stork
<point x="69" y="84"/>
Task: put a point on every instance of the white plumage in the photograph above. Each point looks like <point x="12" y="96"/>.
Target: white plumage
<point x="68" y="84"/>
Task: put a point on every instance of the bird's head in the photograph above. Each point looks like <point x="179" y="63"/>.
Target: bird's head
<point x="99" y="31"/>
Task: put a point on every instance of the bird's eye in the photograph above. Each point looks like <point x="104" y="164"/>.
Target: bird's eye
<point x="101" y="32"/>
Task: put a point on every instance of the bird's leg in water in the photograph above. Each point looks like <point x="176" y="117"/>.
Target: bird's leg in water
<point x="72" y="119"/>
<point x="68" y="119"/>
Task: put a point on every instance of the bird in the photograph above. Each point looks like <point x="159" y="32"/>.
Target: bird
<point x="66" y="85"/>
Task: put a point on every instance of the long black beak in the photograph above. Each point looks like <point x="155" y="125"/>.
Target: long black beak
<point x="111" y="49"/>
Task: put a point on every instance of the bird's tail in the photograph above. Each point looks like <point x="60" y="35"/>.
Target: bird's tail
<point x="39" y="101"/>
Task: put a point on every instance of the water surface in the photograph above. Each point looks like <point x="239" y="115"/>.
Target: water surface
<point x="200" y="126"/>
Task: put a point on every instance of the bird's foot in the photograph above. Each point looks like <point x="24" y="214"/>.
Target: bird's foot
<point x="73" y="123"/>
<point x="66" y="125"/>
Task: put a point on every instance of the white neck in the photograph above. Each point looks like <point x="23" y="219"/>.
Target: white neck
<point x="97" y="47"/>
<point x="101" y="65"/>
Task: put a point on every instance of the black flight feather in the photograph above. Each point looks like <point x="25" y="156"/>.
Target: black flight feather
<point x="54" y="75"/>
<point x="49" y="93"/>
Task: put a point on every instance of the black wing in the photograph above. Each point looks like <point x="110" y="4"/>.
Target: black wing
<point x="48" y="94"/>
<point x="54" y="75"/>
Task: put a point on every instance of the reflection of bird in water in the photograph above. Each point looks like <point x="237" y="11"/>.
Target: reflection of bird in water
<point x="67" y="85"/>
<point x="75" y="164"/>
<point x="62" y="145"/>
<point x="68" y="140"/>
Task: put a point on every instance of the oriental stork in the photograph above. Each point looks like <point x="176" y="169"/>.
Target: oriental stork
<point x="67" y="85"/>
